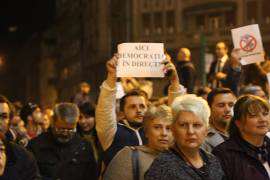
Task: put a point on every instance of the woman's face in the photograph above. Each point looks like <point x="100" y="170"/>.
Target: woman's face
<point x="256" y="124"/>
<point x="189" y="130"/>
<point x="87" y="123"/>
<point x="159" y="134"/>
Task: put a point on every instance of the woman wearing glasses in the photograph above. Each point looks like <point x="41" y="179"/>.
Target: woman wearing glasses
<point x="246" y="155"/>
<point x="185" y="160"/>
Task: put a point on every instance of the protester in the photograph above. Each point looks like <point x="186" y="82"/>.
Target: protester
<point x="114" y="135"/>
<point x="32" y="117"/>
<point x="83" y="95"/>
<point x="221" y="101"/>
<point x="245" y="155"/>
<point x="253" y="90"/>
<point x="60" y="152"/>
<point x="15" y="162"/>
<point x="157" y="126"/>
<point x="185" y="160"/>
<point x="219" y="67"/>
<point x="186" y="69"/>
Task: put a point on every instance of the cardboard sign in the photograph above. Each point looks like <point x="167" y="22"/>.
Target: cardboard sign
<point x="248" y="40"/>
<point x="140" y="60"/>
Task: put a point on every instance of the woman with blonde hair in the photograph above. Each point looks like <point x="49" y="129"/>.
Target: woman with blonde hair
<point x="132" y="162"/>
<point x="185" y="160"/>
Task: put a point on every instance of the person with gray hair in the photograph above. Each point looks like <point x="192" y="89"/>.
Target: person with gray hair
<point x="157" y="126"/>
<point x="185" y="160"/>
<point x="60" y="152"/>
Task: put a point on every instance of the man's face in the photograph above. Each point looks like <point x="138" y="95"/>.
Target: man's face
<point x="4" y="117"/>
<point x="221" y="50"/>
<point x="37" y="116"/>
<point x="221" y="109"/>
<point x="134" y="109"/>
<point x="63" y="131"/>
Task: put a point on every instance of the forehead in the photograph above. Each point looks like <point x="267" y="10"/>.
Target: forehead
<point x="220" y="45"/>
<point x="135" y="100"/>
<point x="4" y="108"/>
<point x="160" y="121"/>
<point x="63" y="124"/>
<point x="224" y="98"/>
<point x="188" y="117"/>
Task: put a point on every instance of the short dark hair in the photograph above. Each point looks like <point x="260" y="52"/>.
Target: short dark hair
<point x="3" y="99"/>
<point x="87" y="109"/>
<point x="215" y="92"/>
<point x="134" y="92"/>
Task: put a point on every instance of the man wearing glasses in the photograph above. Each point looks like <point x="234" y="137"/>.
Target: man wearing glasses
<point x="60" y="152"/>
<point x="15" y="161"/>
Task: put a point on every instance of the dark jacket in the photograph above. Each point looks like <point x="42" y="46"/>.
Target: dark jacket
<point x="211" y="76"/>
<point x="124" y="137"/>
<point x="20" y="164"/>
<point x="170" y="166"/>
<point x="238" y="162"/>
<point x="187" y="74"/>
<point x="71" y="161"/>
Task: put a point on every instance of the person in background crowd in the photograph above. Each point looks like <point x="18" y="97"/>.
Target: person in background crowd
<point x="86" y="128"/>
<point x="83" y="96"/>
<point x="15" y="162"/>
<point x="219" y="67"/>
<point x="114" y="136"/>
<point x="221" y="101"/>
<point x="32" y="117"/>
<point x="253" y="90"/>
<point x="185" y="160"/>
<point x="186" y="69"/>
<point x="60" y="152"/>
<point x="203" y="92"/>
<point x="246" y="155"/>
<point x="157" y="126"/>
<point x="253" y="74"/>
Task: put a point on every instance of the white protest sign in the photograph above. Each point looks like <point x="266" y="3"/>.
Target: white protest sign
<point x="248" y="40"/>
<point x="140" y="60"/>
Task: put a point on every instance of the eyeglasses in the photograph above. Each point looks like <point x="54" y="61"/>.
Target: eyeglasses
<point x="61" y="130"/>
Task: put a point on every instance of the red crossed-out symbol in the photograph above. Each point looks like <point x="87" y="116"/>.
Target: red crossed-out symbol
<point x="248" y="43"/>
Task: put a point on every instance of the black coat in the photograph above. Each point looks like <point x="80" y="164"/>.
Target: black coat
<point x="187" y="74"/>
<point x="71" y="161"/>
<point x="20" y="164"/>
<point x="238" y="162"/>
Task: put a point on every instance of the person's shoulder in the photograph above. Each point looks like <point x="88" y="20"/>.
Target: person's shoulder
<point x="20" y="152"/>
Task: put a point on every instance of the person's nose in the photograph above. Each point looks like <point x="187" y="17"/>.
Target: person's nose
<point x="164" y="131"/>
<point x="190" y="129"/>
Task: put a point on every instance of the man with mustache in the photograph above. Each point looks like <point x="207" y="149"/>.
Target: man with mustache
<point x="114" y="135"/>
<point x="60" y="152"/>
<point x="221" y="102"/>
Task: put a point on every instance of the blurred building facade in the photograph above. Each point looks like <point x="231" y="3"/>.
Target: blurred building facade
<point x="85" y="34"/>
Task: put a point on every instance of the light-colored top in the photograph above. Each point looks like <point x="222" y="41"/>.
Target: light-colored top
<point x="106" y="119"/>
<point x="121" y="165"/>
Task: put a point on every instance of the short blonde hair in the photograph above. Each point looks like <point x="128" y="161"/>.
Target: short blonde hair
<point x="191" y="103"/>
<point x="162" y="112"/>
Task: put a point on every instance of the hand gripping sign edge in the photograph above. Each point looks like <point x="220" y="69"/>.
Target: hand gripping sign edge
<point x="248" y="43"/>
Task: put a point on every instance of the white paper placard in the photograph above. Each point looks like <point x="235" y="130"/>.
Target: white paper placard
<point x="248" y="40"/>
<point x="140" y="60"/>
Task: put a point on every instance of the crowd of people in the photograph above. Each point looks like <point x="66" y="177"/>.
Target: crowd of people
<point x="192" y="133"/>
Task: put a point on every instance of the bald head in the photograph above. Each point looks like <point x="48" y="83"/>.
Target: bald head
<point x="184" y="54"/>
